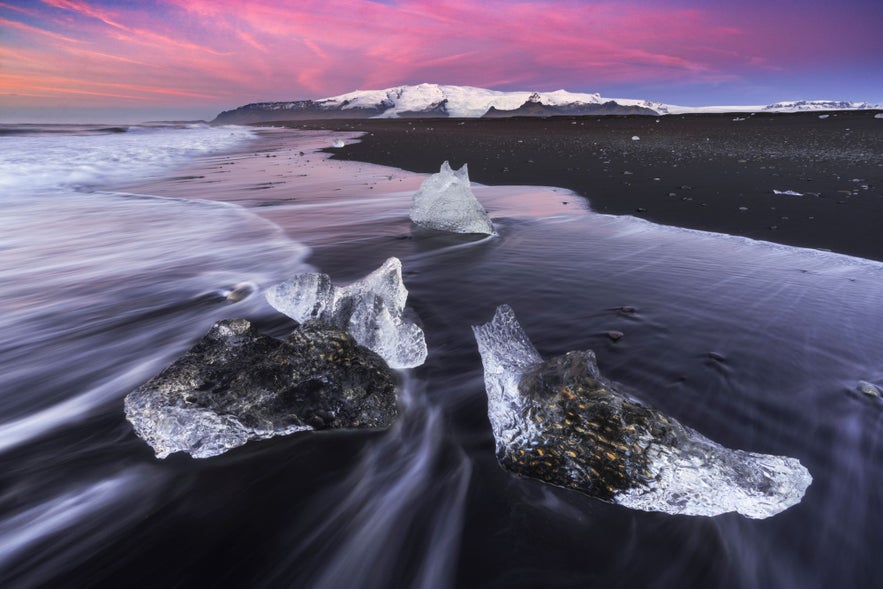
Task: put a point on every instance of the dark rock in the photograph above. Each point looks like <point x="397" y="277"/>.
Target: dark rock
<point x="438" y="109"/>
<point x="236" y="384"/>
<point x="297" y="110"/>
<point x="533" y="107"/>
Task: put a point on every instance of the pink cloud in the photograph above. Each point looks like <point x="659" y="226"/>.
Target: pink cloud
<point x="225" y="52"/>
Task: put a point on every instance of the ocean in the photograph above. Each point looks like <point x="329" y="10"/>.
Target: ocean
<point x="118" y="246"/>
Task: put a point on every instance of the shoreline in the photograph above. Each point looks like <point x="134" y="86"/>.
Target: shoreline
<point x="716" y="173"/>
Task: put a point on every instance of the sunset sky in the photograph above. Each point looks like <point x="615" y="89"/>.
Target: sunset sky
<point x="131" y="60"/>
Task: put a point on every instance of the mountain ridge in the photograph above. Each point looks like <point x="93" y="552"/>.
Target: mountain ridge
<point x="439" y="100"/>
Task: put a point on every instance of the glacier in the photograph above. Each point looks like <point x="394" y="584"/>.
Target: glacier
<point x="561" y="422"/>
<point x="445" y="202"/>
<point x="371" y="309"/>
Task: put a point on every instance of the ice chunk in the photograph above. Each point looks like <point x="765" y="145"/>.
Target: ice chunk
<point x="879" y="115"/>
<point x="788" y="192"/>
<point x="304" y="296"/>
<point x="635" y="138"/>
<point x="338" y="143"/>
<point x="445" y="202"/>
<point x="561" y="422"/>
<point x="371" y="309"/>
<point x="237" y="385"/>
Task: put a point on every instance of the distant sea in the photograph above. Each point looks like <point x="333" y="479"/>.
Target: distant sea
<point x="118" y="245"/>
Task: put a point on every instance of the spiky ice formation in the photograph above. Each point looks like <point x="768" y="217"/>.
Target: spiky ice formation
<point x="371" y="309"/>
<point x="445" y="202"/>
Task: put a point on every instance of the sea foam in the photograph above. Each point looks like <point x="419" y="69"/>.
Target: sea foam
<point x="50" y="161"/>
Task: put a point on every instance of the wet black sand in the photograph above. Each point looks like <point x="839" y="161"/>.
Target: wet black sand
<point x="709" y="172"/>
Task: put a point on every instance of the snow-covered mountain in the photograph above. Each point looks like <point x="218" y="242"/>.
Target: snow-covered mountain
<point x="802" y="105"/>
<point x="465" y="101"/>
<point x="438" y="100"/>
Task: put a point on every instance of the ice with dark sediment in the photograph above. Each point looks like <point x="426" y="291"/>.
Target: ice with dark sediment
<point x="561" y="422"/>
<point x="445" y="202"/>
<point x="236" y="385"/>
<point x="371" y="309"/>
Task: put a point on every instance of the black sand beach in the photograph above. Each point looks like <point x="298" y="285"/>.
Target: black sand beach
<point x="760" y="348"/>
<point x="709" y="172"/>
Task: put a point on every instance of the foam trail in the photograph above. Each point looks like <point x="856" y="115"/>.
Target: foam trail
<point x="68" y="527"/>
<point x="100" y="287"/>
<point x="51" y="162"/>
<point x="382" y="512"/>
<point x="34" y="425"/>
<point x="439" y="563"/>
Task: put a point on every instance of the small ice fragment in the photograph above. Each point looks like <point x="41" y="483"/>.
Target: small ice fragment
<point x="372" y="310"/>
<point x="635" y="138"/>
<point x="445" y="202"/>
<point x="240" y="291"/>
<point x="788" y="192"/>
<point x="824" y="116"/>
<point x="338" y="143"/>
<point x="879" y="115"/>
<point x="562" y="422"/>
<point x="869" y="389"/>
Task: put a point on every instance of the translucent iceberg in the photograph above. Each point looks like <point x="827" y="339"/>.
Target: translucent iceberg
<point x="561" y="422"/>
<point x="371" y="309"/>
<point x="237" y="385"/>
<point x="445" y="202"/>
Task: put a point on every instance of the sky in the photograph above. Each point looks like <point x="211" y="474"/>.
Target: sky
<point x="132" y="60"/>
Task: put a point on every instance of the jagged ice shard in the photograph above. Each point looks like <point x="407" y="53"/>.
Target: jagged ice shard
<point x="561" y="422"/>
<point x="445" y="202"/>
<point x="372" y="310"/>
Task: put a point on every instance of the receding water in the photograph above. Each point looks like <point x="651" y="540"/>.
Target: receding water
<point x="756" y="346"/>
